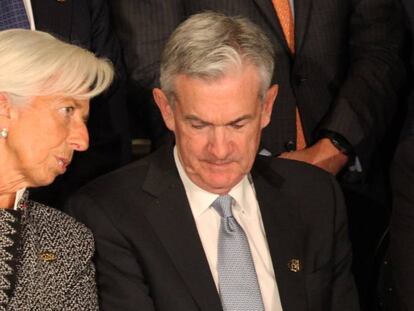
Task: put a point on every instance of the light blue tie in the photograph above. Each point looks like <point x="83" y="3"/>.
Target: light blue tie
<point x="238" y="285"/>
<point x="13" y="15"/>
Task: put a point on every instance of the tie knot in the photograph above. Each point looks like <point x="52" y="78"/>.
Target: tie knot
<point x="223" y="205"/>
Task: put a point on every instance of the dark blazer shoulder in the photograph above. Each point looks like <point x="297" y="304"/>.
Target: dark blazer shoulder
<point x="311" y="191"/>
<point x="128" y="177"/>
<point x="288" y="173"/>
<point x="134" y="176"/>
<point x="117" y="194"/>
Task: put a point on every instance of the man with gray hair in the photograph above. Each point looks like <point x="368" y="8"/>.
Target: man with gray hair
<point x="208" y="224"/>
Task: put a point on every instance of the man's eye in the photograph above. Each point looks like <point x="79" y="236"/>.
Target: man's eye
<point x="198" y="126"/>
<point x="237" y="126"/>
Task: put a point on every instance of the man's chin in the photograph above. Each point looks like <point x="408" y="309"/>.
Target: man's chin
<point x="218" y="185"/>
<point x="219" y="166"/>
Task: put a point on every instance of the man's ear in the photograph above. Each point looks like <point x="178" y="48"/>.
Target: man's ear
<point x="165" y="107"/>
<point x="267" y="104"/>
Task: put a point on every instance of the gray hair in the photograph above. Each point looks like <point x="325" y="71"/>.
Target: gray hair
<point x="208" y="45"/>
<point x="34" y="63"/>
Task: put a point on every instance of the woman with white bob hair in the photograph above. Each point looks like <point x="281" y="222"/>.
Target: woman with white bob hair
<point x="45" y="88"/>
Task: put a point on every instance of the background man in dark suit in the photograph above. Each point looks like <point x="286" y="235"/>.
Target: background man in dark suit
<point x="402" y="179"/>
<point x="342" y="69"/>
<point x="162" y="241"/>
<point x="87" y="24"/>
<point x="402" y="220"/>
<point x="338" y="69"/>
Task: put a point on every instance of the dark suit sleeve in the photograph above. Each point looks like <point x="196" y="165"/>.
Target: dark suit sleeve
<point x="143" y="28"/>
<point x="120" y="279"/>
<point x="402" y="224"/>
<point x="108" y="119"/>
<point x="344" y="293"/>
<point x="366" y="101"/>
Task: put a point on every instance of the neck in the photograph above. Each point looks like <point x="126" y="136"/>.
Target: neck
<point x="11" y="180"/>
<point x="7" y="200"/>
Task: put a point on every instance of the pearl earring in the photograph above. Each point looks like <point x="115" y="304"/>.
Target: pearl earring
<point x="4" y="133"/>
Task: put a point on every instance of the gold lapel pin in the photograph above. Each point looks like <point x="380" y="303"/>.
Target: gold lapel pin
<point x="294" y="265"/>
<point x="47" y="256"/>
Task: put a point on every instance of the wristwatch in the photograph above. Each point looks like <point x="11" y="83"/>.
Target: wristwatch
<point x="339" y="142"/>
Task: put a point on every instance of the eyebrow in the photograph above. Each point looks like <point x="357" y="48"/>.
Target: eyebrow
<point x="239" y="119"/>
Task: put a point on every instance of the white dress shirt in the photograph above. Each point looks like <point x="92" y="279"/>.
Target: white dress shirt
<point x="292" y="8"/>
<point x="29" y="12"/>
<point x="247" y="212"/>
<point x="19" y="195"/>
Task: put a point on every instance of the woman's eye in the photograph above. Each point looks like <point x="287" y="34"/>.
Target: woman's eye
<point x="68" y="110"/>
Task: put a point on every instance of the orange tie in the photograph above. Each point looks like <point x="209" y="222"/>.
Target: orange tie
<point x="284" y="13"/>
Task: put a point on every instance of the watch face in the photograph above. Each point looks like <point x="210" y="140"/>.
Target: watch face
<point x="339" y="146"/>
<point x="338" y="141"/>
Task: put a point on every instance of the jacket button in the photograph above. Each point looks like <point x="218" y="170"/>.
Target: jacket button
<point x="300" y="79"/>
<point x="290" y="145"/>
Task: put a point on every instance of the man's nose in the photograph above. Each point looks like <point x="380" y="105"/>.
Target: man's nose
<point x="219" y="143"/>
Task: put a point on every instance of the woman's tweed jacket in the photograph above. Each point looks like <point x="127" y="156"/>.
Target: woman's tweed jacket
<point x="55" y="270"/>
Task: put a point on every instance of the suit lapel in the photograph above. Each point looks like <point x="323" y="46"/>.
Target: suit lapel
<point x="53" y="16"/>
<point x="173" y="222"/>
<point x="284" y="235"/>
<point x="302" y="13"/>
<point x="269" y="13"/>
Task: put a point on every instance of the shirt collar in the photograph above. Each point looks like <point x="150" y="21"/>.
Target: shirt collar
<point x="241" y="193"/>
<point x="200" y="200"/>
<point x="19" y="196"/>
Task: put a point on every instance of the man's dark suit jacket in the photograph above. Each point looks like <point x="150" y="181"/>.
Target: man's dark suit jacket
<point x="149" y="255"/>
<point x="402" y="180"/>
<point x="344" y="76"/>
<point x="402" y="224"/>
<point x="87" y="24"/>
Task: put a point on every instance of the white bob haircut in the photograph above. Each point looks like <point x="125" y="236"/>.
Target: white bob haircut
<point x="34" y="63"/>
<point x="209" y="45"/>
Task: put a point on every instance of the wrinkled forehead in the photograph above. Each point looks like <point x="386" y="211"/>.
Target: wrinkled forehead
<point x="219" y="102"/>
<point x="217" y="73"/>
<point x="240" y="81"/>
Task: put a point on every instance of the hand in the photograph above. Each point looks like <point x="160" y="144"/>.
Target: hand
<point x="322" y="154"/>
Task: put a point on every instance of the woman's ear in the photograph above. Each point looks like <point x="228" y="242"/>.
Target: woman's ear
<point x="4" y="106"/>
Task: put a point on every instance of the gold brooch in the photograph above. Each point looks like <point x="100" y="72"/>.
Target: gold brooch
<point x="47" y="256"/>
